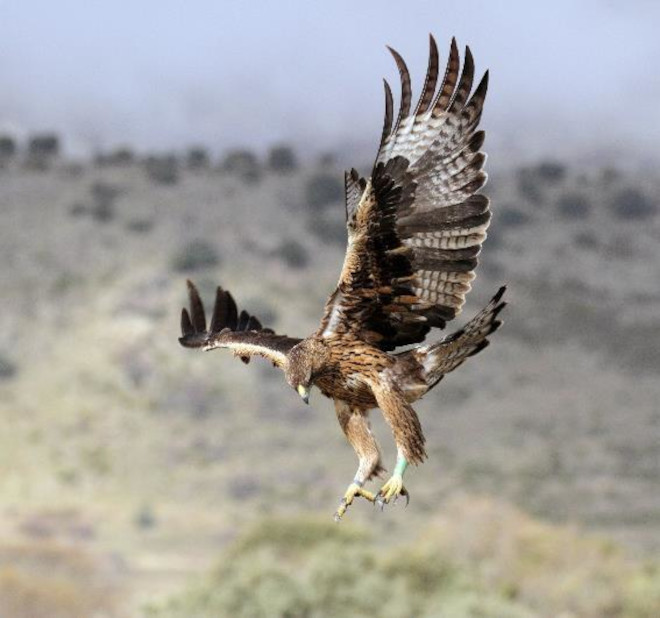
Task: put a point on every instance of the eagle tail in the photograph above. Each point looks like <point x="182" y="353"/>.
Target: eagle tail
<point x="442" y="357"/>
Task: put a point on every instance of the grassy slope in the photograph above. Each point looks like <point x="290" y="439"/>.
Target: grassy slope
<point x="164" y="455"/>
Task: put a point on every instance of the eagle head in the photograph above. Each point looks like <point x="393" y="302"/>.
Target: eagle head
<point x="306" y="361"/>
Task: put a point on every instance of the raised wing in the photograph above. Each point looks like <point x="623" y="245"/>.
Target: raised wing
<point x="240" y="332"/>
<point x="418" y="224"/>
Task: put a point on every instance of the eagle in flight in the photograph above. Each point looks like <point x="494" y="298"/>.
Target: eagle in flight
<point x="415" y="229"/>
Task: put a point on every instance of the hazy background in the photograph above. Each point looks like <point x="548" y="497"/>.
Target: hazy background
<point x="569" y="78"/>
<point x="145" y="143"/>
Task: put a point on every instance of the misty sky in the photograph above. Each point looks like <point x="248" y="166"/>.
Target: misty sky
<point x="567" y="77"/>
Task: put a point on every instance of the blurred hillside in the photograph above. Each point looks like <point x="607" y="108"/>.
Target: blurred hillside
<point x="125" y="452"/>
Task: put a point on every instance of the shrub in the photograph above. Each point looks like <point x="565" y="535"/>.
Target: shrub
<point x="587" y="240"/>
<point x="8" y="369"/>
<point x="104" y="197"/>
<point x="122" y="156"/>
<point x="529" y="186"/>
<point x="631" y="203"/>
<point x="323" y="190"/>
<point x="196" y="255"/>
<point x="550" y="171"/>
<point x="329" y="228"/>
<point x="293" y="254"/>
<point x="282" y="160"/>
<point x="344" y="573"/>
<point x="145" y="518"/>
<point x="198" y="158"/>
<point x="140" y="226"/>
<point x="244" y="164"/>
<point x="573" y="206"/>
<point x="512" y="217"/>
<point x="44" y="145"/>
<point x="7" y="147"/>
<point x="163" y="170"/>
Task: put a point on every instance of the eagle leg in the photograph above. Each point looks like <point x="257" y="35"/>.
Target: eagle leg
<point x="354" y="489"/>
<point x="394" y="488"/>
<point x="355" y="425"/>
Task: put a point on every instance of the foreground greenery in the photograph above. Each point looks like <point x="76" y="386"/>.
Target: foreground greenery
<point x="484" y="560"/>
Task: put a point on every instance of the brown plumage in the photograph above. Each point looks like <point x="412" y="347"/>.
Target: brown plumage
<point x="415" y="229"/>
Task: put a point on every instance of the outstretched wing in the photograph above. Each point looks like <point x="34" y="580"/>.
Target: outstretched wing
<point x="416" y="228"/>
<point x="241" y="333"/>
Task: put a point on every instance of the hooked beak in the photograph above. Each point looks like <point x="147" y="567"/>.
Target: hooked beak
<point x="304" y="393"/>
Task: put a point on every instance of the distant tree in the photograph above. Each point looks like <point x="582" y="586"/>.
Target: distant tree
<point x="8" y="368"/>
<point x="42" y="150"/>
<point x="551" y="171"/>
<point x="322" y="190"/>
<point x="196" y="255"/>
<point x="104" y="197"/>
<point x="512" y="217"/>
<point x="244" y="164"/>
<point x="293" y="253"/>
<point x="46" y="144"/>
<point x="573" y="206"/>
<point x="198" y="158"/>
<point x="631" y="203"/>
<point x="529" y="186"/>
<point x="121" y="156"/>
<point x="163" y="170"/>
<point x="282" y="160"/>
<point x="7" y="147"/>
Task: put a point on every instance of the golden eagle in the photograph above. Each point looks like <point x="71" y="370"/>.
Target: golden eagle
<point x="415" y="228"/>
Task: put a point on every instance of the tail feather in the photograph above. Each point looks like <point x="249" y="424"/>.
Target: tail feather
<point x="444" y="356"/>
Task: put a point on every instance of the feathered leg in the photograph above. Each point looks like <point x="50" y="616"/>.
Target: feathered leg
<point x="355" y="425"/>
<point x="407" y="432"/>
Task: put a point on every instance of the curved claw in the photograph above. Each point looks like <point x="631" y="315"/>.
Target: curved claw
<point x="352" y="491"/>
<point x="405" y="494"/>
<point x="392" y="490"/>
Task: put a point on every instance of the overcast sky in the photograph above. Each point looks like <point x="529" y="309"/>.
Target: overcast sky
<point x="567" y="77"/>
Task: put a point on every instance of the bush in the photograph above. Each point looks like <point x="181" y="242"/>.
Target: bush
<point x="244" y="164"/>
<point x="512" y="217"/>
<point x="104" y="197"/>
<point x="328" y="227"/>
<point x="196" y="255"/>
<point x="550" y="171"/>
<point x="198" y="158"/>
<point x="7" y="147"/>
<point x="344" y="573"/>
<point x="529" y="186"/>
<point x="145" y="518"/>
<point x="323" y="190"/>
<point x="163" y="170"/>
<point x="140" y="226"/>
<point x="122" y="156"/>
<point x="632" y="204"/>
<point x="282" y="160"/>
<point x="293" y="254"/>
<point x="8" y="369"/>
<point x="44" y="145"/>
<point x="573" y="206"/>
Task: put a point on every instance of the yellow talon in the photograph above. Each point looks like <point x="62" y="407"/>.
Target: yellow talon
<point x="392" y="489"/>
<point x="353" y="490"/>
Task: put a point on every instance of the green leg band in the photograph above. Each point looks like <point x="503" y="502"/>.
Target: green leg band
<point x="401" y="465"/>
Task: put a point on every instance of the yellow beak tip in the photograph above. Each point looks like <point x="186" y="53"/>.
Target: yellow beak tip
<point x="303" y="392"/>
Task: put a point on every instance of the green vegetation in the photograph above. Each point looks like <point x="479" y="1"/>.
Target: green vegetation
<point x="485" y="560"/>
<point x="196" y="255"/>
<point x="323" y="190"/>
